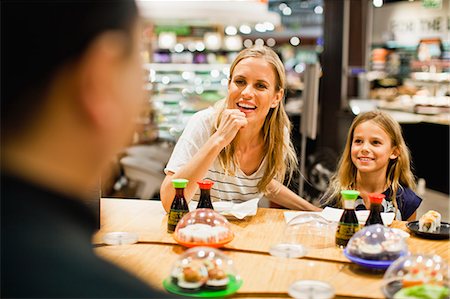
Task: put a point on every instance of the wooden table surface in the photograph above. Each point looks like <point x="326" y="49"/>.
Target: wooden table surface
<point x="263" y="275"/>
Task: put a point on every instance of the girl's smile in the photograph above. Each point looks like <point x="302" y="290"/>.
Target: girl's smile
<point x="371" y="148"/>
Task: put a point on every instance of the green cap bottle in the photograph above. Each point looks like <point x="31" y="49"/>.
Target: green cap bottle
<point x="179" y="183"/>
<point x="349" y="194"/>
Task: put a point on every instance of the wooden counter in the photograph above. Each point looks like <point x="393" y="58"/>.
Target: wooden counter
<point x="264" y="276"/>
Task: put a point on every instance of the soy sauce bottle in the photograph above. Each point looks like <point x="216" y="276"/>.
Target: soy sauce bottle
<point x="348" y="224"/>
<point x="205" y="194"/>
<point x="179" y="206"/>
<point x="375" y="209"/>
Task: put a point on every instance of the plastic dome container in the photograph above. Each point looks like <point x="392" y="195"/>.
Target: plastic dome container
<point x="203" y="227"/>
<point x="376" y="246"/>
<point x="302" y="233"/>
<point x="417" y="273"/>
<point x="205" y="272"/>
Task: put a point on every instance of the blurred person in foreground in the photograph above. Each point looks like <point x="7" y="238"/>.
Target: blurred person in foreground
<point x="71" y="89"/>
<point x="243" y="143"/>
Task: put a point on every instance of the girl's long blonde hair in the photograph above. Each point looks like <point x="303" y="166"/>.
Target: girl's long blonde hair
<point x="398" y="172"/>
<point x="280" y="154"/>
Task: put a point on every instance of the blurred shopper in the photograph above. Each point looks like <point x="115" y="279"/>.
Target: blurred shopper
<point x="243" y="143"/>
<point x="376" y="160"/>
<point x="71" y="89"/>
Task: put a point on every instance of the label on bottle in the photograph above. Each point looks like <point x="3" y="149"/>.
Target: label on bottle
<point x="174" y="217"/>
<point x="344" y="232"/>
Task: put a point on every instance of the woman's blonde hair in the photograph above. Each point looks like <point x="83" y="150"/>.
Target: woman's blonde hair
<point x="398" y="172"/>
<point x="280" y="154"/>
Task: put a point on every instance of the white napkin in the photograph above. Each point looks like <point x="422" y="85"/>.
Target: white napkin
<point x="238" y="210"/>
<point x="333" y="214"/>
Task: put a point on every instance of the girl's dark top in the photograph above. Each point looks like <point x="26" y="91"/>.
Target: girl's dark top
<point x="46" y="248"/>
<point x="407" y="202"/>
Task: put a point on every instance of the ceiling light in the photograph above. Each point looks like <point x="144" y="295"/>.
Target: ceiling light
<point x="245" y="29"/>
<point x="231" y="30"/>
<point x="269" y="26"/>
<point x="199" y="46"/>
<point x="377" y="3"/>
<point x="295" y="41"/>
<point x="260" y="27"/>
<point x="259" y="42"/>
<point x="287" y="11"/>
<point x="179" y="48"/>
<point x="318" y="10"/>
<point x="248" y="43"/>
<point x="271" y="42"/>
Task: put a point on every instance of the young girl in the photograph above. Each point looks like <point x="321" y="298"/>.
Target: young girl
<point x="376" y="159"/>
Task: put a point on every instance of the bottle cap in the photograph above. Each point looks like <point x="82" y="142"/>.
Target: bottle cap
<point x="205" y="184"/>
<point x="376" y="197"/>
<point x="179" y="183"/>
<point x="349" y="194"/>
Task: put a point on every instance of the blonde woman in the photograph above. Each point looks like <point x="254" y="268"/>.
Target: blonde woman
<point x="376" y="159"/>
<point x="243" y="143"/>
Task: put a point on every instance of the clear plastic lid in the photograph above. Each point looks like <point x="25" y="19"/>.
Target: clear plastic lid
<point x="311" y="289"/>
<point x="203" y="268"/>
<point x="418" y="272"/>
<point x="377" y="242"/>
<point x="302" y="233"/>
<point x="203" y="227"/>
<point x="120" y="238"/>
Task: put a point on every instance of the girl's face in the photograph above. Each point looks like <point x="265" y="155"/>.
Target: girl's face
<point x="371" y="148"/>
<point x="252" y="89"/>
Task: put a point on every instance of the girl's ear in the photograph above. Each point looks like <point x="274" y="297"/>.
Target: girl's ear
<point x="395" y="153"/>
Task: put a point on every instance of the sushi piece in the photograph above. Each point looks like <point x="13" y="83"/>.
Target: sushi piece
<point x="392" y="249"/>
<point x="191" y="277"/>
<point x="430" y="222"/>
<point x="217" y="277"/>
<point x="371" y="251"/>
<point x="414" y="277"/>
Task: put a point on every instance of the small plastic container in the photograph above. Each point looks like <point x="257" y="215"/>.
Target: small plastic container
<point x="120" y="238"/>
<point x="203" y="227"/>
<point x="304" y="232"/>
<point x="416" y="273"/>
<point x="376" y="246"/>
<point x="203" y="272"/>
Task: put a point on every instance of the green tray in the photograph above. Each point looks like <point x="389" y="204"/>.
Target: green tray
<point x="232" y="287"/>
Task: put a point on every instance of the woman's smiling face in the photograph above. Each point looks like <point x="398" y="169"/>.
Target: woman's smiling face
<point x="253" y="89"/>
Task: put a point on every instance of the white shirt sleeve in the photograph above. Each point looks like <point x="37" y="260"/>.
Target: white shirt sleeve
<point x="197" y="132"/>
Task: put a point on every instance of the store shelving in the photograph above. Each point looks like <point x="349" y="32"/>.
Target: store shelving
<point x="179" y="90"/>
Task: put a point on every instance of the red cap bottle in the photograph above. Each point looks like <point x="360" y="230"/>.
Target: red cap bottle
<point x="375" y="209"/>
<point x="205" y="196"/>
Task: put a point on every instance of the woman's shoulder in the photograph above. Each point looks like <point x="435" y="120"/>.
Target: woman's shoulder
<point x="201" y="120"/>
<point x="205" y="114"/>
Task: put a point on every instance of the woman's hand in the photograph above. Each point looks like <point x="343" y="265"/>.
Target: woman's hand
<point x="231" y="121"/>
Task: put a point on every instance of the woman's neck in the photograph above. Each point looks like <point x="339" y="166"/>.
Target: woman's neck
<point x="248" y="139"/>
